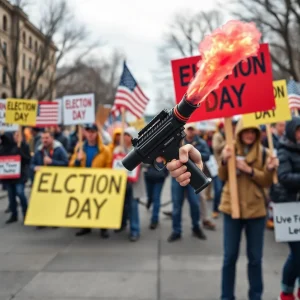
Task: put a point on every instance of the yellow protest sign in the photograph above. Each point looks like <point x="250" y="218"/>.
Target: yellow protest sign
<point x="22" y="112"/>
<point x="77" y="197"/>
<point x="281" y="113"/>
<point x="138" y="124"/>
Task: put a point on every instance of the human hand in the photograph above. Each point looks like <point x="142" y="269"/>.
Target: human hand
<point x="272" y="163"/>
<point x="79" y="155"/>
<point x="227" y="153"/>
<point x="47" y="160"/>
<point x="37" y="168"/>
<point x="177" y="168"/>
<point x="243" y="166"/>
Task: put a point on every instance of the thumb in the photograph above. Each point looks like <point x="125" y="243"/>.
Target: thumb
<point x="189" y="151"/>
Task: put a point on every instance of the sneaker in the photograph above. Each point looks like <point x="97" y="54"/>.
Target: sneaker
<point x="215" y="215"/>
<point x="7" y="211"/>
<point x="286" y="297"/>
<point x="168" y="214"/>
<point x="12" y="219"/>
<point x="199" y="234"/>
<point x="174" y="237"/>
<point x="153" y="225"/>
<point x="270" y="224"/>
<point x="83" y="231"/>
<point x="104" y="233"/>
<point x="134" y="238"/>
<point x="40" y="227"/>
<point x="207" y="224"/>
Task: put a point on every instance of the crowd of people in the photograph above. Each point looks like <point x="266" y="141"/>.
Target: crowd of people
<point x="256" y="192"/>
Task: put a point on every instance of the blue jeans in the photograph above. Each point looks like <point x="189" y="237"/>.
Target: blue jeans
<point x="154" y="189"/>
<point x="131" y="211"/>
<point x="178" y="193"/>
<point x="15" y="190"/>
<point x="218" y="185"/>
<point x="291" y="269"/>
<point x="254" y="229"/>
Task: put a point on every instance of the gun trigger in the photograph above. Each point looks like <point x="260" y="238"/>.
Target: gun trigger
<point x="156" y="166"/>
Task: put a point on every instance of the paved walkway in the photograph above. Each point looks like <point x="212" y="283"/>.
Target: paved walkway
<point x="54" y="265"/>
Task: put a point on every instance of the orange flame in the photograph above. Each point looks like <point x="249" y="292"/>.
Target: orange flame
<point x="220" y="52"/>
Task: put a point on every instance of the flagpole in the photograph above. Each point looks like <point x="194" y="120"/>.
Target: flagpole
<point x="123" y="128"/>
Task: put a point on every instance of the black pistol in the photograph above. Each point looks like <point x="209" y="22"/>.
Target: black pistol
<point x="162" y="137"/>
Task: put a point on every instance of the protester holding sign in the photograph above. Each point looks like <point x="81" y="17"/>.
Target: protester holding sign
<point x="92" y="154"/>
<point x="16" y="184"/>
<point x="131" y="209"/>
<point x="288" y="190"/>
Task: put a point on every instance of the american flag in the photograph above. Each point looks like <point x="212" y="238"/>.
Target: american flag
<point x="129" y="95"/>
<point x="48" y="114"/>
<point x="293" y="88"/>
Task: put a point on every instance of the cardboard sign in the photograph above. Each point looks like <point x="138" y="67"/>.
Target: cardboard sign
<point x="21" y="112"/>
<point x="132" y="176"/>
<point x="3" y="125"/>
<point x="280" y="113"/>
<point x="10" y="167"/>
<point x="287" y="221"/>
<point x="212" y="166"/>
<point x="79" y="109"/>
<point x="248" y="89"/>
<point x="77" y="197"/>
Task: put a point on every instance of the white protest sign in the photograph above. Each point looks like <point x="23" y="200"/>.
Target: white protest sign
<point x="79" y="109"/>
<point x="287" y="221"/>
<point x="60" y="116"/>
<point x="10" y="166"/>
<point x="3" y="125"/>
<point x="117" y="164"/>
<point x="212" y="166"/>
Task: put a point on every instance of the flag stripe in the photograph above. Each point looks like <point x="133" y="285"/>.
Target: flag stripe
<point x="48" y="114"/>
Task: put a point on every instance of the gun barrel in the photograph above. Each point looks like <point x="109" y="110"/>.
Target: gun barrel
<point x="131" y="160"/>
<point x="183" y="110"/>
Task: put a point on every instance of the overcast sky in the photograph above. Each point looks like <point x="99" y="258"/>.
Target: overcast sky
<point x="136" y="28"/>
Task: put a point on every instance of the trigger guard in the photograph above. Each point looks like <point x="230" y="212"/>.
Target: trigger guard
<point x="157" y="167"/>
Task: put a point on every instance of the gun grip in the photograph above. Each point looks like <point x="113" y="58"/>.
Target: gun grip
<point x="198" y="179"/>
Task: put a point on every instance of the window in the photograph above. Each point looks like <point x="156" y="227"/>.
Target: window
<point x="23" y="84"/>
<point x="4" y="47"/>
<point x="24" y="61"/>
<point x="30" y="42"/>
<point x="3" y="96"/>
<point x="30" y="63"/>
<point x="4" y="72"/>
<point x="35" y="46"/>
<point x="24" y="38"/>
<point x="4" y="23"/>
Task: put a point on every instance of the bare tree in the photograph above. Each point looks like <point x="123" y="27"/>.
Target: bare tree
<point x="100" y="77"/>
<point x="279" y="21"/>
<point x="57" y="24"/>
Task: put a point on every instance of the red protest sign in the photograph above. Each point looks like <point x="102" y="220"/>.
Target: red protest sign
<point x="248" y="89"/>
<point x="10" y="167"/>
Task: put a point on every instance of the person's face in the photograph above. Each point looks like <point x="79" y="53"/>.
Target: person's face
<point x="47" y="139"/>
<point x="248" y="136"/>
<point x="91" y="136"/>
<point x="16" y="136"/>
<point x="127" y="140"/>
<point x="117" y="138"/>
<point x="297" y="135"/>
<point x="190" y="132"/>
<point x="280" y="128"/>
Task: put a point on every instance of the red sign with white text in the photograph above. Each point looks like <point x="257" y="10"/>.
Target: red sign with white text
<point x="10" y="166"/>
<point x="248" y="89"/>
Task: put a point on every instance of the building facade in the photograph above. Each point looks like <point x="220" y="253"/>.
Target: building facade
<point x="22" y="44"/>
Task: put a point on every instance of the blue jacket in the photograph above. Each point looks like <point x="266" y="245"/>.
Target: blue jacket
<point x="201" y="146"/>
<point x="59" y="156"/>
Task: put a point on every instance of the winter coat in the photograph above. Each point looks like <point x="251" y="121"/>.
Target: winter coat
<point x="73" y="140"/>
<point x="101" y="160"/>
<point x="10" y="147"/>
<point x="218" y="144"/>
<point x="58" y="155"/>
<point x="62" y="139"/>
<point x="288" y="189"/>
<point x="153" y="175"/>
<point x="251" y="196"/>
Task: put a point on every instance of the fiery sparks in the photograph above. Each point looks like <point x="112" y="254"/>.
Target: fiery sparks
<point x="220" y="52"/>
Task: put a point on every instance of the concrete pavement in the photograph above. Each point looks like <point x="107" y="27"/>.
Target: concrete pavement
<point x="55" y="265"/>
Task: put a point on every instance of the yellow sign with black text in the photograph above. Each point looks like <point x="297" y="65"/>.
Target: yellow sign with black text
<point x="77" y="197"/>
<point x="280" y="114"/>
<point x="22" y="112"/>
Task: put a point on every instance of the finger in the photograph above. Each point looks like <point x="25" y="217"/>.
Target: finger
<point x="185" y="182"/>
<point x="174" y="165"/>
<point x="177" y="172"/>
<point x="189" y="151"/>
<point x="185" y="176"/>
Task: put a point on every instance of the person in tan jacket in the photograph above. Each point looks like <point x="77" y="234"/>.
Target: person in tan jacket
<point x="252" y="176"/>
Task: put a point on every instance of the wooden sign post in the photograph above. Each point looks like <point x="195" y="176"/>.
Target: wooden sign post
<point x="235" y="206"/>
<point x="271" y="148"/>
